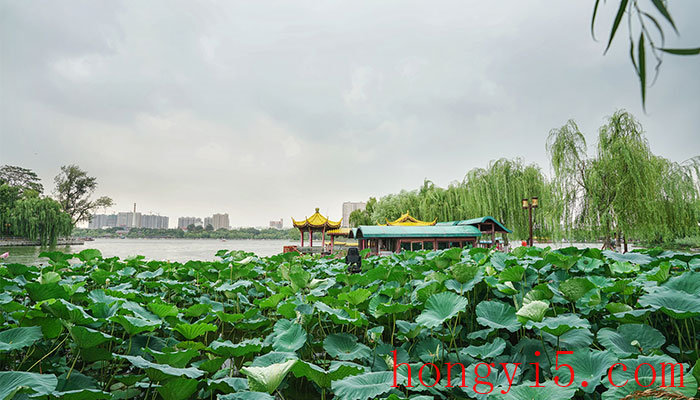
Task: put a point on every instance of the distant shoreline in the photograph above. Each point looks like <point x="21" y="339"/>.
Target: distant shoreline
<point x="27" y="242"/>
<point x="19" y="242"/>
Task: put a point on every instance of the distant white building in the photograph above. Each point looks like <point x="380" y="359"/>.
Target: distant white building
<point x="348" y="208"/>
<point x="153" y="221"/>
<point x="220" y="221"/>
<point x="184" y="222"/>
<point x="102" y="221"/>
<point x="208" y="221"/>
<point x="128" y="220"/>
<point x="277" y="224"/>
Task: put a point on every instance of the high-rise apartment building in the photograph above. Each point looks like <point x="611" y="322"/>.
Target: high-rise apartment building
<point x="220" y="221"/>
<point x="277" y="224"/>
<point x="208" y="221"/>
<point x="184" y="222"/>
<point x="154" y="221"/>
<point x="128" y="220"/>
<point x="100" y="221"/>
<point x="348" y="208"/>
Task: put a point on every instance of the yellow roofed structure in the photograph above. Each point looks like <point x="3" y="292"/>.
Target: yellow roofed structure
<point x="316" y="222"/>
<point x="407" y="220"/>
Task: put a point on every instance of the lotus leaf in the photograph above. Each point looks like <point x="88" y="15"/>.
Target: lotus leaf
<point x="440" y="308"/>
<point x="267" y="379"/>
<point x="365" y="386"/>
<point x="228" y="349"/>
<point x="159" y="372"/>
<point x="345" y="347"/>
<point x="631" y="339"/>
<point x="13" y="382"/>
<point x="497" y="315"/>
<point x="532" y="311"/>
<point x="192" y="331"/>
<point x="289" y="337"/>
<point x="19" y="338"/>
<point x="561" y="324"/>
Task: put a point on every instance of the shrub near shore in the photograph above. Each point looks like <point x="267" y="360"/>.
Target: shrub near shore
<point x="299" y="327"/>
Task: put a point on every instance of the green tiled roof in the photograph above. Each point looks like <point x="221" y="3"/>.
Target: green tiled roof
<point x="435" y="231"/>
<point x="475" y="221"/>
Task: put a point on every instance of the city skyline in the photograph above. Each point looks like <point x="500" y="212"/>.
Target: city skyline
<point x="217" y="220"/>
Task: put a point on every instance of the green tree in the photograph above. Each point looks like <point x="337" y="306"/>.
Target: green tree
<point x="496" y="190"/>
<point x="74" y="189"/>
<point x="624" y="189"/>
<point x="363" y="217"/>
<point x="209" y="228"/>
<point x="39" y="219"/>
<point x="21" y="178"/>
<point x="9" y="195"/>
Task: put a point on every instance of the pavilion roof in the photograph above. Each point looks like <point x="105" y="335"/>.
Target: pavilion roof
<point x="476" y="221"/>
<point x="407" y="220"/>
<point x="316" y="221"/>
<point x="416" y="231"/>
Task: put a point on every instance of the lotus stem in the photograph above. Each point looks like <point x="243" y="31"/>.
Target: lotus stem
<point x="47" y="354"/>
<point x="544" y="349"/>
<point x="73" y="364"/>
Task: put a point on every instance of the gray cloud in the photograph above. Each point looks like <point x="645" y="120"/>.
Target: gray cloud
<point x="268" y="109"/>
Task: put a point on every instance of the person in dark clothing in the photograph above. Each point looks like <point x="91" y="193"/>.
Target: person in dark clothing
<point x="353" y="260"/>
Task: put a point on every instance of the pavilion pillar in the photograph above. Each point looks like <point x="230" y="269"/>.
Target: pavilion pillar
<point x="323" y="238"/>
<point x="302" y="237"/>
<point x="311" y="238"/>
<point x="332" y="242"/>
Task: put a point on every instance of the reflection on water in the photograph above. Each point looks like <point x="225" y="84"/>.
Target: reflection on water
<point x="153" y="249"/>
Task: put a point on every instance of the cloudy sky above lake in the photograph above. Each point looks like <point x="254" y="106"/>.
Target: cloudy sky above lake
<point x="268" y="109"/>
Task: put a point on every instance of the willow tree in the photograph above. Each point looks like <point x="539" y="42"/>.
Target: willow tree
<point x="40" y="219"/>
<point x="496" y="191"/>
<point x="624" y="190"/>
<point x="363" y="216"/>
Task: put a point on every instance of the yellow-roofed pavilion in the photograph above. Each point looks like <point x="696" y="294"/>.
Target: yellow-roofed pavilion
<point x="315" y="223"/>
<point x="407" y="220"/>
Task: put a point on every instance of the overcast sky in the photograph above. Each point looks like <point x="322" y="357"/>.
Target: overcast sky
<point x="266" y="110"/>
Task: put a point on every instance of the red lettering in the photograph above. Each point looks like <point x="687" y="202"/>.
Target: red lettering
<point x="478" y="382"/>
<point x="420" y="375"/>
<point x="556" y="363"/>
<point x="449" y="380"/>
<point x="624" y="368"/>
<point x="537" y="374"/>
<point x="673" y="373"/>
<point x="396" y="366"/>
<point x="508" y="377"/>
<point x="636" y="374"/>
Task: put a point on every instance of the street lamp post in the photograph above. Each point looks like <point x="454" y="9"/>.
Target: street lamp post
<point x="529" y="205"/>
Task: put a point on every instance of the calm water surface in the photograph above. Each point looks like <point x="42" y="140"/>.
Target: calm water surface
<point x="153" y="249"/>
<point x="180" y="250"/>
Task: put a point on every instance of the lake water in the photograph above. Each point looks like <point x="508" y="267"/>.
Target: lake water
<point x="180" y="250"/>
<point x="153" y="249"/>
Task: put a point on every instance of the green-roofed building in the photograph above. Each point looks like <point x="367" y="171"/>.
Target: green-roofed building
<point x="466" y="233"/>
